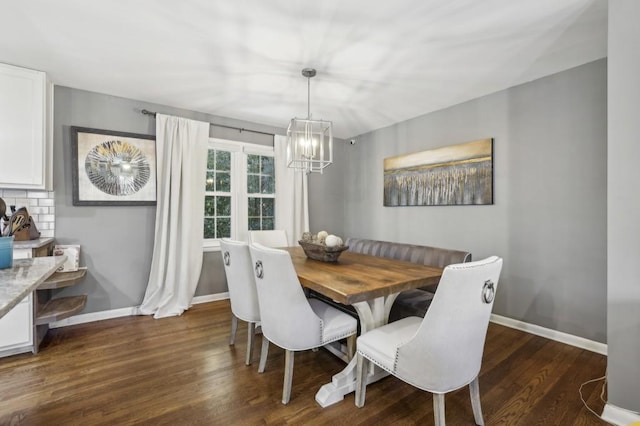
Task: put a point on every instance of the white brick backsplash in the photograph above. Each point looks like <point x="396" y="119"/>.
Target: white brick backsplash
<point x="14" y="193"/>
<point x="22" y="202"/>
<point x="40" y="204"/>
<point x="46" y="218"/>
<point x="37" y="194"/>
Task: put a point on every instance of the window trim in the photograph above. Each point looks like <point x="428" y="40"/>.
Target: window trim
<point x="239" y="196"/>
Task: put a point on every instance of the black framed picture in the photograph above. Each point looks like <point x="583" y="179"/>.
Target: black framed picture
<point x="112" y="168"/>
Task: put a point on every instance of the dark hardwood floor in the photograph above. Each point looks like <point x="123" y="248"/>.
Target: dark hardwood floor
<point x="181" y="370"/>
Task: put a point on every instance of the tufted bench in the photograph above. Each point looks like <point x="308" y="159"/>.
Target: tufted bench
<point x="411" y="302"/>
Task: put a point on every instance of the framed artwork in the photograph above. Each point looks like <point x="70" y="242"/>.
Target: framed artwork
<point x="453" y="175"/>
<point x="112" y="168"/>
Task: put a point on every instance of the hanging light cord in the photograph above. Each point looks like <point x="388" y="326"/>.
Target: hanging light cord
<point x="309" y="149"/>
<point x="308" y="97"/>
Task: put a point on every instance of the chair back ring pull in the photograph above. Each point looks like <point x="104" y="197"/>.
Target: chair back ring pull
<point x="226" y="258"/>
<point x="259" y="271"/>
<point x="488" y="292"/>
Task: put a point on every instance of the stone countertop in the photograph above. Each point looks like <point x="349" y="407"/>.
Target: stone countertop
<point x="24" y="277"/>
<point x="31" y="244"/>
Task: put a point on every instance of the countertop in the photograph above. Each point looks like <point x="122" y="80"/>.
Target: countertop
<point x="31" y="244"/>
<point x="24" y="277"/>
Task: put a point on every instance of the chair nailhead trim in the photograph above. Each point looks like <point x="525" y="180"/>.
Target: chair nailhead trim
<point x="376" y="363"/>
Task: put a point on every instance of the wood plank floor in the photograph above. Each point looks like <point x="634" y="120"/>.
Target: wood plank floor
<point x="181" y="370"/>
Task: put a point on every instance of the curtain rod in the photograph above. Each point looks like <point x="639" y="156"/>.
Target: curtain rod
<point x="240" y="129"/>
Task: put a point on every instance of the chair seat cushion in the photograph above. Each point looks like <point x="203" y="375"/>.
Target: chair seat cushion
<point x="336" y="325"/>
<point x="380" y="345"/>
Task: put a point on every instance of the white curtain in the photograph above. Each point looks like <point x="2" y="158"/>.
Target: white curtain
<point x="292" y="199"/>
<point x="181" y="151"/>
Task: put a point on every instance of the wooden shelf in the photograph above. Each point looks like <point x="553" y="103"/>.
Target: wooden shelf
<point x="42" y="307"/>
<point x="63" y="279"/>
<point x="60" y="308"/>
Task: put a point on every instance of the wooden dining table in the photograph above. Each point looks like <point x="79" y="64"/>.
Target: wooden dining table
<point x="368" y="283"/>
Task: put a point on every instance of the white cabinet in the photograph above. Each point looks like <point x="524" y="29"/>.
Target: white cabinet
<point x="26" y="128"/>
<point x="23" y="328"/>
<point x="16" y="328"/>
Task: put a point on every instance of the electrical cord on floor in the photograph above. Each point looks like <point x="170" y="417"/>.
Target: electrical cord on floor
<point x="604" y="382"/>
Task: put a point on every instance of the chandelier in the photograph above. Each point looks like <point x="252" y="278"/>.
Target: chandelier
<point x="309" y="142"/>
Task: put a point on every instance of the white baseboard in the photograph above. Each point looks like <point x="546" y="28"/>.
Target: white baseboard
<point x="210" y="298"/>
<point x="95" y="316"/>
<point x="619" y="416"/>
<point x="558" y="336"/>
<point x="125" y="312"/>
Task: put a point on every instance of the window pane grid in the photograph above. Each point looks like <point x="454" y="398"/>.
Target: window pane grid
<point x="261" y="178"/>
<point x="217" y="205"/>
<point x="261" y="190"/>
<point x="226" y="190"/>
<point x="261" y="213"/>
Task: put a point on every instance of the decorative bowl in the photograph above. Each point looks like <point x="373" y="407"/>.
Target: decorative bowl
<point x="321" y="252"/>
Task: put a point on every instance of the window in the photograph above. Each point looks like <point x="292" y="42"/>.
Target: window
<point x="261" y="192"/>
<point x="239" y="191"/>
<point x="217" y="201"/>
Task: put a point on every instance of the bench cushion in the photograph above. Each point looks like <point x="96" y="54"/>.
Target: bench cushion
<point x="412" y="302"/>
<point x="425" y="255"/>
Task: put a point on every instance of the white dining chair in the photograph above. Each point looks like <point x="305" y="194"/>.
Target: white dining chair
<point x="441" y="352"/>
<point x="289" y="319"/>
<point x="269" y="238"/>
<point x="242" y="290"/>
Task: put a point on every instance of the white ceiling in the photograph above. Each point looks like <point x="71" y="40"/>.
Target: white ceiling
<point x="379" y="62"/>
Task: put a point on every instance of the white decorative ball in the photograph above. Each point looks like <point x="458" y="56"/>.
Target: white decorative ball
<point x="333" y="241"/>
<point x="322" y="236"/>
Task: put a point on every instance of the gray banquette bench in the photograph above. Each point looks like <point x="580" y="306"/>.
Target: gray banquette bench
<point x="412" y="302"/>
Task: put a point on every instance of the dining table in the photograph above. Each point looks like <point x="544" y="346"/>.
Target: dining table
<point x="370" y="284"/>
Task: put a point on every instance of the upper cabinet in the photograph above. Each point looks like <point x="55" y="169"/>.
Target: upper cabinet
<point x="26" y="128"/>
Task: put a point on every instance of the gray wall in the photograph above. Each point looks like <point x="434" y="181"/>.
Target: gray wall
<point x="623" y="320"/>
<point x="327" y="194"/>
<point x="548" y="220"/>
<point x="117" y="242"/>
<point x="549" y="217"/>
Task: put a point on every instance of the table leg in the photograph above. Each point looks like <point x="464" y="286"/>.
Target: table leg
<point x="373" y="313"/>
